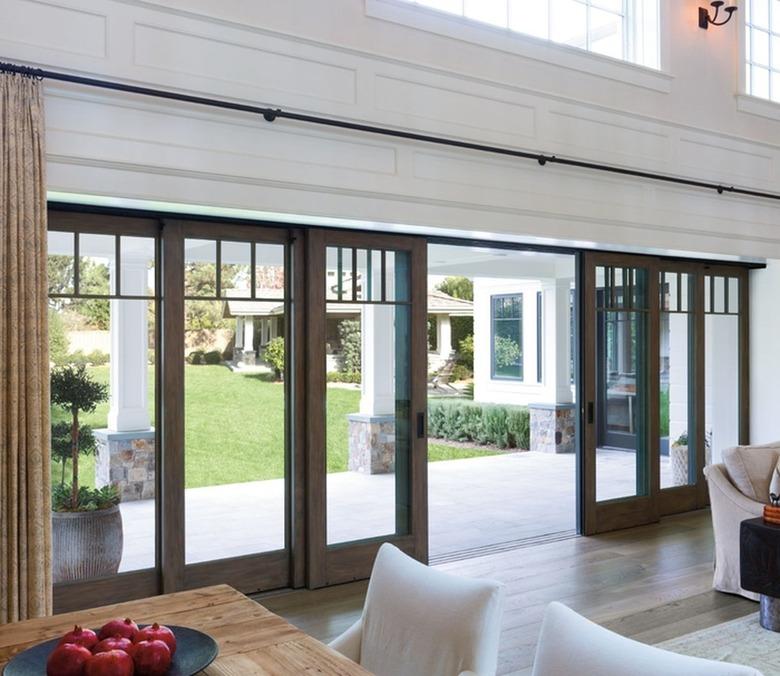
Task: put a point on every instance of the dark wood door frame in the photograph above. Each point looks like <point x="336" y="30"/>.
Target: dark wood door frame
<point x="326" y="564"/>
<point x="610" y="515"/>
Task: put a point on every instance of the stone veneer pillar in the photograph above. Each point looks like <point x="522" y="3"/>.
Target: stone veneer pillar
<point x="126" y="460"/>
<point x="371" y="443"/>
<point x="553" y="428"/>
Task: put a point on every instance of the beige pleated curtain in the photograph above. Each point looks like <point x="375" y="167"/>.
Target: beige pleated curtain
<point x="25" y="500"/>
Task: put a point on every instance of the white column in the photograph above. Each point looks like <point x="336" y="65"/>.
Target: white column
<point x="556" y="341"/>
<point x="377" y="326"/>
<point x="444" y="336"/>
<point x="239" y="333"/>
<point x="249" y="334"/>
<point x="128" y="406"/>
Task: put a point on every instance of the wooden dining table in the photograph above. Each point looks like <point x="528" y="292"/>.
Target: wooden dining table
<point x="252" y="639"/>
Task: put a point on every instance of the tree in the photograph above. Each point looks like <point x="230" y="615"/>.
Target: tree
<point x="462" y="327"/>
<point x="274" y="355"/>
<point x="351" y="347"/>
<point x="201" y="281"/>
<point x="58" y="340"/>
<point x="74" y="390"/>
<point x="457" y="287"/>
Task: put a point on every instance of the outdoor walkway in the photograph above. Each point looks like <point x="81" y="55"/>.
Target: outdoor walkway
<point x="473" y="503"/>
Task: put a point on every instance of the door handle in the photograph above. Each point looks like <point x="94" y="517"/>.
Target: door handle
<point x="590" y="413"/>
<point x="421" y="427"/>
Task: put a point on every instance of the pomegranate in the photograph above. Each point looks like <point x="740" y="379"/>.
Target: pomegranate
<point x="157" y="632"/>
<point x="67" y="659"/>
<point x="113" y="643"/>
<point x="152" y="658"/>
<point x="110" y="663"/>
<point x="79" y="636"/>
<point x="125" y="628"/>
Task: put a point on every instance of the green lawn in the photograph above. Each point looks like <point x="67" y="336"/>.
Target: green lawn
<point x="234" y="427"/>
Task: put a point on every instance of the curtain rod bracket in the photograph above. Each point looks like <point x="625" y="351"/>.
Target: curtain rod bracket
<point x="270" y="115"/>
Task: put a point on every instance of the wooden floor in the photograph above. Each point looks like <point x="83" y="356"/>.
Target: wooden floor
<point x="650" y="583"/>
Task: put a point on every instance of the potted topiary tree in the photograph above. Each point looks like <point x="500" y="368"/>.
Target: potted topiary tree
<point x="86" y="522"/>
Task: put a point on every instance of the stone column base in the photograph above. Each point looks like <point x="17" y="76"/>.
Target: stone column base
<point x="553" y="428"/>
<point x="126" y="460"/>
<point x="248" y="358"/>
<point x="371" y="443"/>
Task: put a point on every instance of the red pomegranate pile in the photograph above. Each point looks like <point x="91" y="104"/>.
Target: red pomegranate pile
<point x="120" y="648"/>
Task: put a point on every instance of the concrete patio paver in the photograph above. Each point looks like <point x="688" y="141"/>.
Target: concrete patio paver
<point x="473" y="503"/>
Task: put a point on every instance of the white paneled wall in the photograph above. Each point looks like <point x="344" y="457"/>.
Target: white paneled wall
<point x="335" y="58"/>
<point x="332" y="58"/>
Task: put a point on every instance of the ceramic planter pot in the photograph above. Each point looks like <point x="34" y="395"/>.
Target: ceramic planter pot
<point x="86" y="544"/>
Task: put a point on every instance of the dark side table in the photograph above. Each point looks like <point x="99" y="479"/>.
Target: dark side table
<point x="759" y="567"/>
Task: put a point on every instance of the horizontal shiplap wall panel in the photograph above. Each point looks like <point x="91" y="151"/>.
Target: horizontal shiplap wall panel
<point x="453" y="109"/>
<point x="55" y="27"/>
<point x="259" y="72"/>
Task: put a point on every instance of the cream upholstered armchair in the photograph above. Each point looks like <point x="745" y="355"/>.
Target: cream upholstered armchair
<point x="571" y="644"/>
<point x="739" y="489"/>
<point x="418" y="621"/>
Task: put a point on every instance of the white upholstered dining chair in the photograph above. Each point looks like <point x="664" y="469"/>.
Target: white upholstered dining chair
<point x="417" y="621"/>
<point x="571" y="644"/>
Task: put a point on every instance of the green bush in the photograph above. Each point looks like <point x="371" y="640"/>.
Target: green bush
<point x="351" y="348"/>
<point x="506" y="352"/>
<point x="339" y="377"/>
<point x="463" y="420"/>
<point x="466" y="352"/>
<point x="274" y="355"/>
<point x="460" y="372"/>
<point x="213" y="357"/>
<point x="98" y="358"/>
<point x="196" y="357"/>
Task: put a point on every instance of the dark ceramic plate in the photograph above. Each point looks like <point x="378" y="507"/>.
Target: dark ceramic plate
<point x="194" y="652"/>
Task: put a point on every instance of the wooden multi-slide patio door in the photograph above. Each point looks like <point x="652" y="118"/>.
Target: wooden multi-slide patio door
<point x="366" y="448"/>
<point x="279" y="378"/>
<point x="664" y="368"/>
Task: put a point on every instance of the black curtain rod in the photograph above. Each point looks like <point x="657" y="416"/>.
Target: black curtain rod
<point x="271" y="114"/>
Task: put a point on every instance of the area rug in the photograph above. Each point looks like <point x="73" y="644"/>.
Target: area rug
<point x="741" y="641"/>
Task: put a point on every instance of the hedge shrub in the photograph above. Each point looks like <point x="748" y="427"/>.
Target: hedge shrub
<point x="462" y="420"/>
<point x="212" y="357"/>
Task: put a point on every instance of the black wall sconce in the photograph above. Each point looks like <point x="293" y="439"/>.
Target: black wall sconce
<point x="704" y="14"/>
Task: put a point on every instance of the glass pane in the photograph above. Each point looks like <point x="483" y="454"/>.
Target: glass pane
<point x="368" y="420"/>
<point x="452" y="6"/>
<point x="234" y="430"/>
<point x="606" y="33"/>
<point x="677" y="452"/>
<point x="269" y="270"/>
<point x="60" y="262"/>
<point x="488" y="11"/>
<point x="775" y="16"/>
<point x="775" y="86"/>
<point x="568" y="22"/>
<point x="97" y="259"/>
<point x="721" y="391"/>
<point x="235" y="269"/>
<point x="719" y="295"/>
<point x="338" y="274"/>
<point x="116" y="432"/>
<point x="759" y="13"/>
<point x="759" y="82"/>
<point x="507" y="337"/>
<point x="200" y="267"/>
<point x="733" y="288"/>
<point x="760" y="47"/>
<point x="138" y="266"/>
<point x="621" y="354"/>
<point x="530" y="17"/>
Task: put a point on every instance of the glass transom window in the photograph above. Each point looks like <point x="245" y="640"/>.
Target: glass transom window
<point x="507" y="336"/>
<point x="762" y="48"/>
<point x="621" y="29"/>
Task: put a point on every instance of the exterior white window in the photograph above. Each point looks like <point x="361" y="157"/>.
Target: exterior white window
<point x="622" y="29"/>
<point x="762" y="48"/>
